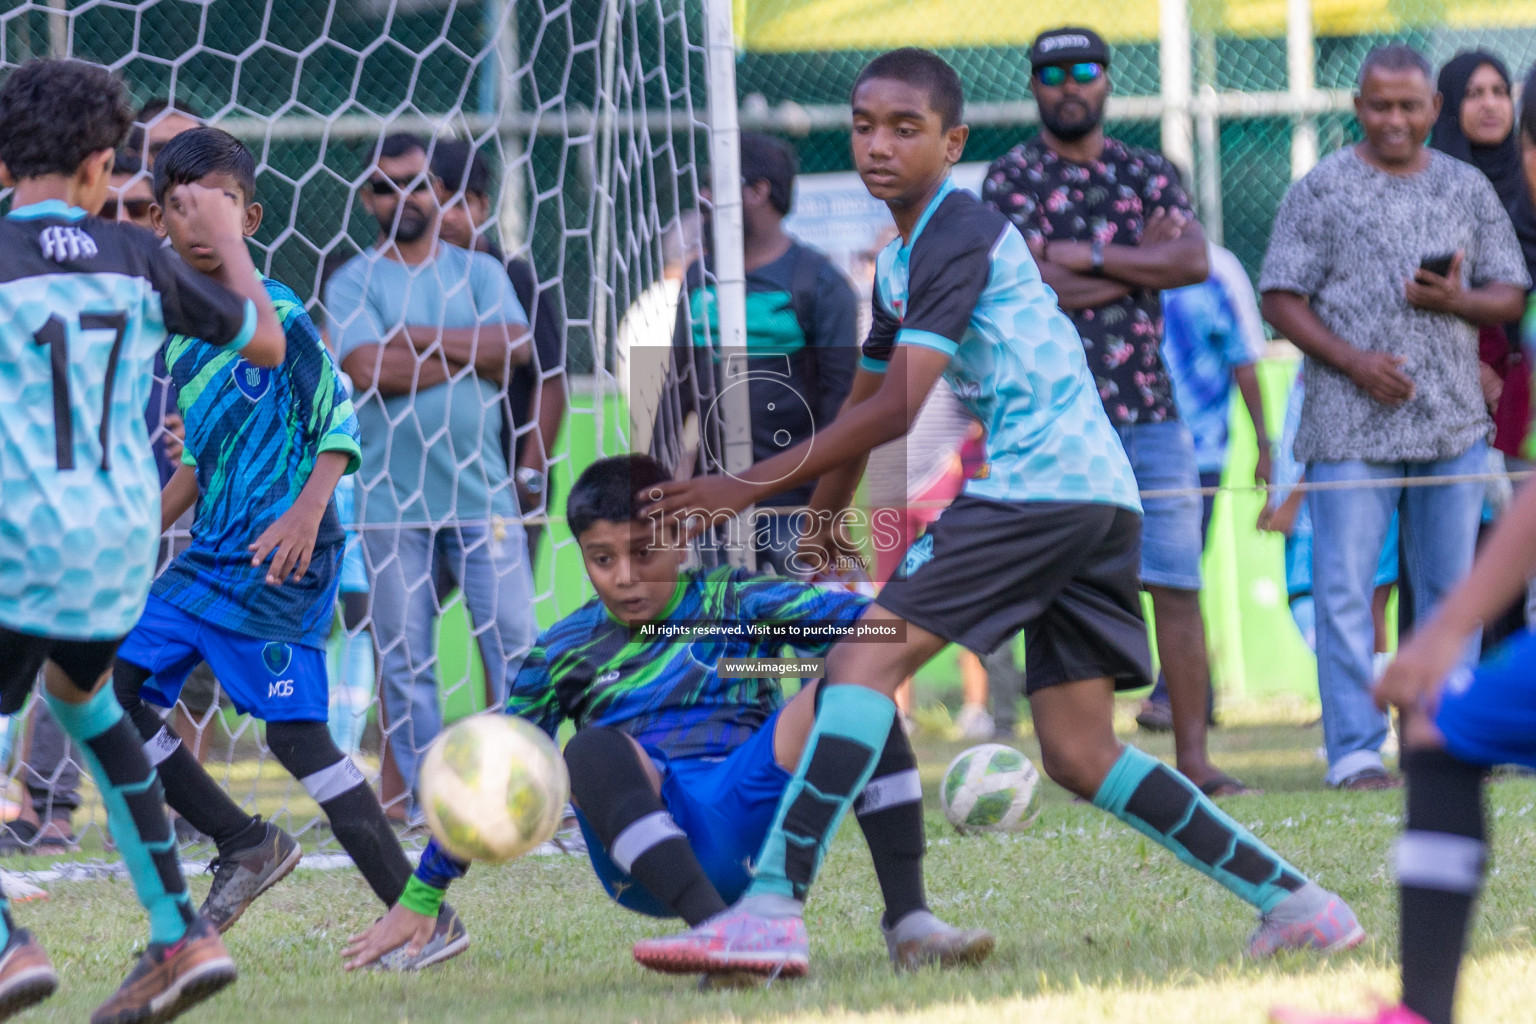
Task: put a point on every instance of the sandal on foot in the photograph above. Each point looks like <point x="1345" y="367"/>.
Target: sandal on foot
<point x="1222" y="785"/>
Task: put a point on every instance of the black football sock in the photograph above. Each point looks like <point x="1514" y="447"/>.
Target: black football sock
<point x="890" y="811"/>
<point x="357" y="819"/>
<point x="609" y="785"/>
<point x="189" y="790"/>
<point x="1440" y="863"/>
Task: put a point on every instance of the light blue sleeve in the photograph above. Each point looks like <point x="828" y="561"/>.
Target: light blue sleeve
<point x="495" y="299"/>
<point x="1243" y="328"/>
<point x="353" y="320"/>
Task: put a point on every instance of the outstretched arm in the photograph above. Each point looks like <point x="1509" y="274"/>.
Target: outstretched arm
<point x="410" y="922"/>
<point x="883" y="417"/>
<point x="1503" y="567"/>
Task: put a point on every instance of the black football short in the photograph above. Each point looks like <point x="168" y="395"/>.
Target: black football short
<point x="22" y="656"/>
<point x="1065" y="573"/>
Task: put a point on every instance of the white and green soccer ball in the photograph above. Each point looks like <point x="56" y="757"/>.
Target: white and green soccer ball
<point x="990" y="788"/>
<point x="493" y="787"/>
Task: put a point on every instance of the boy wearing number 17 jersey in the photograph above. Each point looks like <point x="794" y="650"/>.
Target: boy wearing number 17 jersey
<point x="254" y="592"/>
<point x="84" y="306"/>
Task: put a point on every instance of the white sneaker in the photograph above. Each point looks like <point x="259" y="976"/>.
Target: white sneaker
<point x="975" y="723"/>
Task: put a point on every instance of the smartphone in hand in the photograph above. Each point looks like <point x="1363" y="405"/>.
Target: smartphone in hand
<point x="1440" y="266"/>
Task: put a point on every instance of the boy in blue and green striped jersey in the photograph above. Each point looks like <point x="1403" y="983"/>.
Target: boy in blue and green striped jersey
<point x="677" y="767"/>
<point x="254" y="593"/>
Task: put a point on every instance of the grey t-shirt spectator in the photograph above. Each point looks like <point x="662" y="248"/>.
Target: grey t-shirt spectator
<point x="433" y="456"/>
<point x="1349" y="236"/>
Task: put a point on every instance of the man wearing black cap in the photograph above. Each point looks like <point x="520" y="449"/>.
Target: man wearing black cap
<point x="1111" y="227"/>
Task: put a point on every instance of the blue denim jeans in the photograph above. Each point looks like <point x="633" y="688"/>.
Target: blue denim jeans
<point x="1163" y="458"/>
<point x="490" y="564"/>
<point x="1439" y="529"/>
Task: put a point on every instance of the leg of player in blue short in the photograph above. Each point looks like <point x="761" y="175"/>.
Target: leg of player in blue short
<point x="253" y="854"/>
<point x="621" y="795"/>
<point x="1482" y="718"/>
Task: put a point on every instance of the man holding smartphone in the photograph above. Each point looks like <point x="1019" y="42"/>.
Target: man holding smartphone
<point x="1384" y="260"/>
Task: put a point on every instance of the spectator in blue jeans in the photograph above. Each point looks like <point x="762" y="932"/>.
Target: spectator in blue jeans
<point x="429" y="334"/>
<point x="1111" y="227"/>
<point x="1392" y="374"/>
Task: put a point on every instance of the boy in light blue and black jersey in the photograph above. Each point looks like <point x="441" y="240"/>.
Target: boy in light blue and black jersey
<point x="677" y="766"/>
<point x="1045" y="539"/>
<point x="84" y="306"/>
<point x="254" y="592"/>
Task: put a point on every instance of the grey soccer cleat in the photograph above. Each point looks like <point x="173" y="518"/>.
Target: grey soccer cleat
<point x="1311" y="918"/>
<point x="449" y="939"/>
<point x="921" y="940"/>
<point x="242" y="876"/>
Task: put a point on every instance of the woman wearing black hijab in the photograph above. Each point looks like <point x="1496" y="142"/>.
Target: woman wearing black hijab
<point x="1477" y="125"/>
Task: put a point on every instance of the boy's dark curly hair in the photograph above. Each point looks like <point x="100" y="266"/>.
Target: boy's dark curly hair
<point x="55" y="113"/>
<point x="199" y="152"/>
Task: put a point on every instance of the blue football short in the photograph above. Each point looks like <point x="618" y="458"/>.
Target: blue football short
<point x="272" y="681"/>
<point x="724" y="805"/>
<point x="1488" y="714"/>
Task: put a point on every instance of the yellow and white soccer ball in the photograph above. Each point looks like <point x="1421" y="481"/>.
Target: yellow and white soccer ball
<point x="991" y="788"/>
<point x="493" y="787"/>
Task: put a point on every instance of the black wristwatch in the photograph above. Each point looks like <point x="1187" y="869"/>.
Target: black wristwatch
<point x="1096" y="254"/>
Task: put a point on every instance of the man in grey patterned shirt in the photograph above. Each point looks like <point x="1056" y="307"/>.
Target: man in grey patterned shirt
<point x="1391" y="371"/>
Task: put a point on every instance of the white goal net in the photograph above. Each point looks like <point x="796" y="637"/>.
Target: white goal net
<point x="590" y="119"/>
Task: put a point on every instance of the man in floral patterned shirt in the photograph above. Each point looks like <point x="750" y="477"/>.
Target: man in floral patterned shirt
<point x="1111" y="227"/>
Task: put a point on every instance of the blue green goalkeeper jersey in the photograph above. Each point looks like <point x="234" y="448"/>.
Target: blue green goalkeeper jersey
<point x="84" y="306"/>
<point x="253" y="434"/>
<point x="663" y="689"/>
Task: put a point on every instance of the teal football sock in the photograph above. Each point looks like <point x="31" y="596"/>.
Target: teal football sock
<point x="135" y="805"/>
<point x="840" y="756"/>
<point x="1163" y="805"/>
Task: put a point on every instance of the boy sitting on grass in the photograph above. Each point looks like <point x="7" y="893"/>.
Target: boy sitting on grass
<point x="254" y="593"/>
<point x="676" y="769"/>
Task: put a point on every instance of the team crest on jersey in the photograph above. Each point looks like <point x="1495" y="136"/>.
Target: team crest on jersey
<point x="66" y="243"/>
<point x="918" y="555"/>
<point x="277" y="657"/>
<point x="253" y="381"/>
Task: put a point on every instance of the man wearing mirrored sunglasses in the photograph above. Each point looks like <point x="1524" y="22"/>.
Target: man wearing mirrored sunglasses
<point x="1110" y="226"/>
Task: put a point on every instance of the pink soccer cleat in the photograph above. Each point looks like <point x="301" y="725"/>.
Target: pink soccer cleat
<point x="1310" y="919"/>
<point x="732" y="942"/>
<point x="1385" y="1015"/>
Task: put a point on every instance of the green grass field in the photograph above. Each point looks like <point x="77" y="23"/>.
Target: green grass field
<point x="1094" y="923"/>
